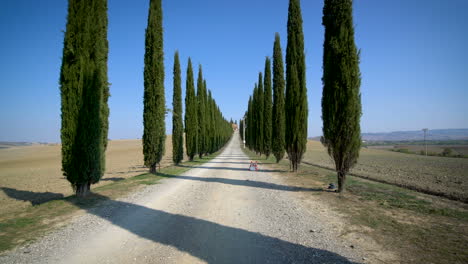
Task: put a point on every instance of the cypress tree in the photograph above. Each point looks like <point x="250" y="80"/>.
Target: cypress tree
<point x="207" y="119"/>
<point x="201" y="113"/>
<point x="154" y="106"/>
<point x="84" y="91"/>
<point x="260" y="118"/>
<point x="211" y="133"/>
<point x="191" y="115"/>
<point x="267" y="106"/>
<point x="278" y="101"/>
<point x="249" y="134"/>
<point x="177" y="125"/>
<point x="341" y="101"/>
<point x="296" y="91"/>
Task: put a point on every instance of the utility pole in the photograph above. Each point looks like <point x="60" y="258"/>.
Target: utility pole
<point x="425" y="145"/>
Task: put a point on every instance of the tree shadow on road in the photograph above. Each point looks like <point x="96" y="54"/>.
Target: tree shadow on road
<point x="206" y="240"/>
<point x="246" y="169"/>
<point x="248" y="183"/>
<point x="223" y="162"/>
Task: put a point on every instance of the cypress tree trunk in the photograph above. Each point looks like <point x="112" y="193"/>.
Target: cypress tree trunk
<point x="84" y="93"/>
<point x="191" y="114"/>
<point x="296" y="90"/>
<point x="267" y="106"/>
<point x="278" y="101"/>
<point x="341" y="101"/>
<point x="154" y="107"/>
<point x="177" y="126"/>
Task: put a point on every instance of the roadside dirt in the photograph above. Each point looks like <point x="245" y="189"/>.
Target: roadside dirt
<point x="37" y="169"/>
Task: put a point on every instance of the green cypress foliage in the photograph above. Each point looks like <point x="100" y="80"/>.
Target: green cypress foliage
<point x="249" y="133"/>
<point x="278" y="101"/>
<point x="267" y="106"/>
<point x="84" y="91"/>
<point x="207" y="119"/>
<point x="260" y="115"/>
<point x="191" y="115"/>
<point x="341" y="101"/>
<point x="201" y="113"/>
<point x="154" y="106"/>
<point x="177" y="125"/>
<point x="211" y="132"/>
<point x="296" y="107"/>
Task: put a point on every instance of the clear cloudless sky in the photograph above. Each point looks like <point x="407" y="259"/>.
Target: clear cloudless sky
<point x="414" y="62"/>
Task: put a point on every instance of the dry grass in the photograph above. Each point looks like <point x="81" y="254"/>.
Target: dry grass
<point x="37" y="169"/>
<point x="433" y="174"/>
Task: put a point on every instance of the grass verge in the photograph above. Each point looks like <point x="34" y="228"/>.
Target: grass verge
<point x="420" y="228"/>
<point x="25" y="225"/>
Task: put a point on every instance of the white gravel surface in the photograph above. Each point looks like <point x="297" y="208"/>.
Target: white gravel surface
<point x="217" y="213"/>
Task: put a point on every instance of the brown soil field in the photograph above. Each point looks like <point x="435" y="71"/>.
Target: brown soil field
<point x="440" y="175"/>
<point x="37" y="168"/>
<point x="456" y="149"/>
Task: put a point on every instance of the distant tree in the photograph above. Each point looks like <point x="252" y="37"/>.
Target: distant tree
<point x="447" y="152"/>
<point x="241" y="129"/>
<point x="154" y="106"/>
<point x="296" y="91"/>
<point x="84" y="91"/>
<point x="191" y="115"/>
<point x="267" y="110"/>
<point x="278" y="101"/>
<point x="341" y="101"/>
<point x="201" y="113"/>
<point x="177" y="123"/>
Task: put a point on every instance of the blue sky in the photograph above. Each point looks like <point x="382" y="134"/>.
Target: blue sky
<point x="413" y="60"/>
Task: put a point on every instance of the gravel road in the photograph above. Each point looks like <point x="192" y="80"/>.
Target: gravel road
<point x="218" y="212"/>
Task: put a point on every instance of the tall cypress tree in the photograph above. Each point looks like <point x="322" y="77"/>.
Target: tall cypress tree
<point x="296" y="90"/>
<point x="249" y="133"/>
<point x="84" y="91"/>
<point x="154" y="106"/>
<point x="191" y="115"/>
<point x="177" y="125"/>
<point x="201" y="113"/>
<point x="208" y="124"/>
<point x="260" y="115"/>
<point x="278" y="101"/>
<point x="267" y="108"/>
<point x="341" y="101"/>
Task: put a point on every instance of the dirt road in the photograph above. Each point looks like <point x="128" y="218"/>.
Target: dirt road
<point x="217" y="213"/>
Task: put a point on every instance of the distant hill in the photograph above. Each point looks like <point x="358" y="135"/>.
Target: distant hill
<point x="435" y="134"/>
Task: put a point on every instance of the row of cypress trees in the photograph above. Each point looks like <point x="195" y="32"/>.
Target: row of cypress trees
<point x="279" y="124"/>
<point x="84" y="91"/>
<point x="341" y="98"/>
<point x="206" y="130"/>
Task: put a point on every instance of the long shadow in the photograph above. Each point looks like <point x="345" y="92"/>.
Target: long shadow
<point x="227" y="168"/>
<point x="224" y="162"/>
<point x="35" y="198"/>
<point x="218" y="158"/>
<point x="114" y="179"/>
<point x="247" y="183"/>
<point x="208" y="241"/>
